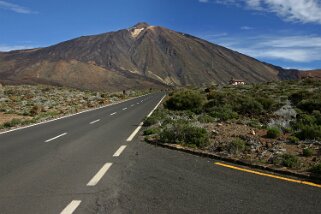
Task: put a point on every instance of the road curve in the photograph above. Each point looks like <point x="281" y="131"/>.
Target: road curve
<point x="94" y="163"/>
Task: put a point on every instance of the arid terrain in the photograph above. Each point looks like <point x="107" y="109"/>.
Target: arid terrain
<point x="27" y="104"/>
<point x="276" y="124"/>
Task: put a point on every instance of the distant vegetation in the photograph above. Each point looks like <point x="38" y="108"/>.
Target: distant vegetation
<point x="276" y="123"/>
<point x="26" y="104"/>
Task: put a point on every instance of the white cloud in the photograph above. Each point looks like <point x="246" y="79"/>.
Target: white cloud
<point x="215" y="35"/>
<point x="300" y="48"/>
<point x="305" y="11"/>
<point x="287" y="54"/>
<point x="14" y="47"/>
<point x="15" y="8"/>
<point x="246" y="28"/>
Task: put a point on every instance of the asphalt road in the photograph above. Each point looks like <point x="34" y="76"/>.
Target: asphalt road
<point x="93" y="163"/>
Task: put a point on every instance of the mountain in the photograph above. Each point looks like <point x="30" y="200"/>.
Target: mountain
<point x="311" y="74"/>
<point x="138" y="57"/>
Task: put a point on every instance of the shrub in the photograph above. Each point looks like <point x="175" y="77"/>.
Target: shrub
<point x="273" y="133"/>
<point x="293" y="139"/>
<point x="151" y="131"/>
<point x="219" y="98"/>
<point x="267" y="103"/>
<point x="36" y="109"/>
<point x="297" y="97"/>
<point x="185" y="134"/>
<point x="310" y="105"/>
<point x="205" y="118"/>
<point x="185" y="100"/>
<point x="223" y="113"/>
<point x="307" y="152"/>
<point x="149" y="121"/>
<point x="309" y="132"/>
<point x="237" y="145"/>
<point x="317" y="116"/>
<point x="290" y="161"/>
<point x="12" y="123"/>
<point x="305" y="119"/>
<point x="247" y="105"/>
<point x="157" y="116"/>
<point x="316" y="169"/>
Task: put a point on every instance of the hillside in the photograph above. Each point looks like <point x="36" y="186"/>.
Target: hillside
<point x="138" y="57"/>
<point x="312" y="73"/>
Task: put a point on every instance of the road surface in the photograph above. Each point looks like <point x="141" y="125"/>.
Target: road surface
<point x="94" y="162"/>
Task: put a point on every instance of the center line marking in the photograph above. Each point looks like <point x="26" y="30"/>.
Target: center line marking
<point x="132" y="105"/>
<point x="124" y="109"/>
<point x="54" y="138"/>
<point x="131" y="137"/>
<point x="71" y="207"/>
<point x="119" y="151"/>
<point x="95" y="121"/>
<point x="99" y="174"/>
<point x="113" y="113"/>
<point x="137" y="103"/>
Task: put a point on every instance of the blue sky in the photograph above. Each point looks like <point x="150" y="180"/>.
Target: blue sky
<point x="281" y="32"/>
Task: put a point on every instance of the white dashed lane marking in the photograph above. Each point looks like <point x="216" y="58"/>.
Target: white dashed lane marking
<point x="131" y="137"/>
<point x="54" y="138"/>
<point x="95" y="121"/>
<point x="124" y="109"/>
<point x="113" y="113"/>
<point x="71" y="207"/>
<point x="119" y="151"/>
<point x="99" y="174"/>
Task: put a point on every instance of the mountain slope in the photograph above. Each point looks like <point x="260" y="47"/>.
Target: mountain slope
<point x="141" y="56"/>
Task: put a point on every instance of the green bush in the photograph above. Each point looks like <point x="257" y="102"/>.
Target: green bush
<point x="205" y="118"/>
<point x="309" y="132"/>
<point x="12" y="123"/>
<point x="223" y="113"/>
<point x="247" y="105"/>
<point x="310" y="105"/>
<point x="151" y="131"/>
<point x="297" y="97"/>
<point x="293" y="139"/>
<point x="182" y="133"/>
<point x="267" y="103"/>
<point x="157" y="116"/>
<point x="307" y="152"/>
<point x="316" y="169"/>
<point x="237" y="145"/>
<point x="273" y="133"/>
<point x="149" y="121"/>
<point x="219" y="98"/>
<point x="290" y="161"/>
<point x="317" y="116"/>
<point x="186" y="100"/>
<point x="305" y="119"/>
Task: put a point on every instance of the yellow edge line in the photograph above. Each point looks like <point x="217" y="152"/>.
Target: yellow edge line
<point x="268" y="175"/>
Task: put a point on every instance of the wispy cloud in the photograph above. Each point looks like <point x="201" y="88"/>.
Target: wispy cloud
<point x="14" y="47"/>
<point x="304" y="11"/>
<point x="299" y="48"/>
<point x="15" y="8"/>
<point x="246" y="28"/>
<point x="215" y="35"/>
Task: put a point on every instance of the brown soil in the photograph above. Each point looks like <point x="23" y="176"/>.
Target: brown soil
<point x="8" y="117"/>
